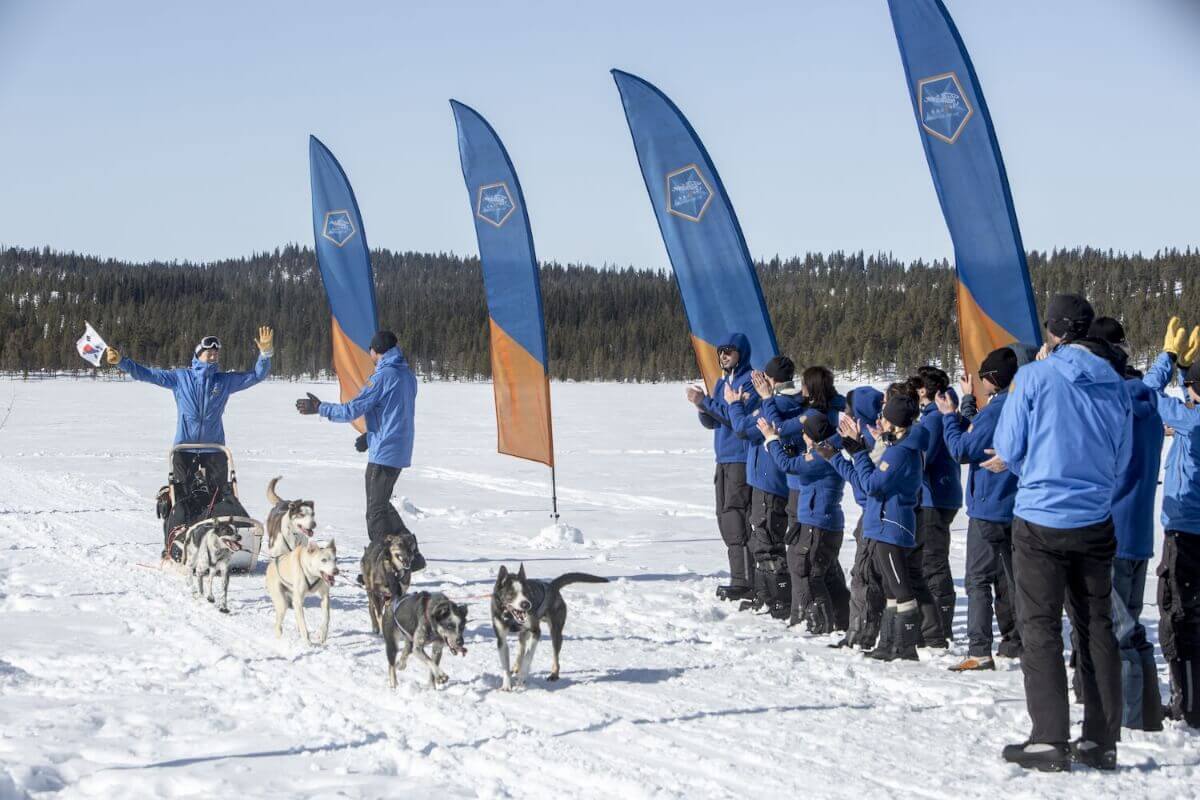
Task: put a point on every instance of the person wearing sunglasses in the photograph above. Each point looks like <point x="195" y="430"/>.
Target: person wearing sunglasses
<point x="201" y="392"/>
<point x="1179" y="570"/>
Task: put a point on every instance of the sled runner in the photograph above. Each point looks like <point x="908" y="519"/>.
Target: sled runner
<point x="202" y="489"/>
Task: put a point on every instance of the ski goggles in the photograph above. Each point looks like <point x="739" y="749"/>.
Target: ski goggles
<point x="208" y="343"/>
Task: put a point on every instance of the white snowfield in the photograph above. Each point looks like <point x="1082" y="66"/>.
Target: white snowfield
<point x="115" y="682"/>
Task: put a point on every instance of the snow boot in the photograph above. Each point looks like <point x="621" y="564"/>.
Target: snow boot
<point x="820" y="617"/>
<point x="887" y="633"/>
<point x="731" y="592"/>
<point x="1183" y="704"/>
<point x="1040" y="757"/>
<point x="906" y="633"/>
<point x="1096" y="756"/>
<point x="946" y="608"/>
<point x="973" y="663"/>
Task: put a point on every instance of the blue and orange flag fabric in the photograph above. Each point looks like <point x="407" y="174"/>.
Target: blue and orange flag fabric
<point x="520" y="377"/>
<point x="995" y="297"/>
<point x="345" y="263"/>
<point x="708" y="253"/>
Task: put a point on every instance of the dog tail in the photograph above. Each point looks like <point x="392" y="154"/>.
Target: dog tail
<point x="273" y="498"/>
<point x="575" y="577"/>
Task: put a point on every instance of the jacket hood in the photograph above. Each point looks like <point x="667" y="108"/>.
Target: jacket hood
<point x="866" y="403"/>
<point x="201" y="368"/>
<point x="393" y="356"/>
<point x="742" y="344"/>
<point x="1090" y="362"/>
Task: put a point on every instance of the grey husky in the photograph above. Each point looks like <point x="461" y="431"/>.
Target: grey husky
<point x="209" y="549"/>
<point x="412" y="622"/>
<point x="518" y="606"/>
<point x="386" y="572"/>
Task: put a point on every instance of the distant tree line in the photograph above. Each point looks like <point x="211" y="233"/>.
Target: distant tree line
<point x="870" y="314"/>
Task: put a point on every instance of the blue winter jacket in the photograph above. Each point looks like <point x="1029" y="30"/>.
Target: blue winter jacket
<point x="942" y="485"/>
<point x="990" y="496"/>
<point x="818" y="486"/>
<point x="786" y="410"/>
<point x="1133" y="503"/>
<point x="1066" y="431"/>
<point x="761" y="471"/>
<point x="892" y="489"/>
<point x="201" y="392"/>
<point x="714" y="415"/>
<point x="387" y="402"/>
<point x="866" y="404"/>
<point x="1181" y="478"/>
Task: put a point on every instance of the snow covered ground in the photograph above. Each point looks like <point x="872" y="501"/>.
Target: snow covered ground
<point x="115" y="683"/>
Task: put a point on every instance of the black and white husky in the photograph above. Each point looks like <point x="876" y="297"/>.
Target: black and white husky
<point x="518" y="606"/>
<point x="210" y="547"/>
<point x="415" y="621"/>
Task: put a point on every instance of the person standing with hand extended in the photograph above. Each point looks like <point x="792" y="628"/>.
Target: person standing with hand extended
<point x="388" y="403"/>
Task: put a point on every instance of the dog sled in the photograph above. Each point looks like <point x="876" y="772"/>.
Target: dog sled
<point x="201" y="494"/>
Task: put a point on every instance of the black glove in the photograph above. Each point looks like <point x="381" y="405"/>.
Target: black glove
<point x="308" y="405"/>
<point x="853" y="445"/>
<point x="360" y="444"/>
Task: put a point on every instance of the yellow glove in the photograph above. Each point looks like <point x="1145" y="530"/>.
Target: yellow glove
<point x="1176" y="333"/>
<point x="112" y="356"/>
<point x="1188" y="356"/>
<point x="266" y="341"/>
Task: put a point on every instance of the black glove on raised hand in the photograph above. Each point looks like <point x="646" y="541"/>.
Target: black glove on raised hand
<point x="853" y="445"/>
<point x="308" y="405"/>
<point x="360" y="444"/>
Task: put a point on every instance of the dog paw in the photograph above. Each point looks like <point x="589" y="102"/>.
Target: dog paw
<point x="210" y="599"/>
<point x="223" y="610"/>
<point x="553" y="676"/>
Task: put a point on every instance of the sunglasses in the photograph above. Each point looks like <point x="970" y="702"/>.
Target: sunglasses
<point x="724" y="350"/>
<point x="210" y="343"/>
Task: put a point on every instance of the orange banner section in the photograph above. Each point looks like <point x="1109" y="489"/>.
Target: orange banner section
<point x="522" y="391"/>
<point x="706" y="358"/>
<point x="978" y="335"/>
<point x="353" y="368"/>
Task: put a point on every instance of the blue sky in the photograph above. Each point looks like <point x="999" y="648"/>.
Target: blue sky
<point x="179" y="130"/>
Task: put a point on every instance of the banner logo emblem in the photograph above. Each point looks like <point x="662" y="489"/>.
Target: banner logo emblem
<point x="943" y="105"/>
<point x="688" y="193"/>
<point x="338" y="227"/>
<point x="494" y="204"/>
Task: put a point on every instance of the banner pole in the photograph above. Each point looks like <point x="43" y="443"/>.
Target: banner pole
<point x="554" y="493"/>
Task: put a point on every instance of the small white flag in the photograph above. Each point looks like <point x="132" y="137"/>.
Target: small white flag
<point x="91" y="345"/>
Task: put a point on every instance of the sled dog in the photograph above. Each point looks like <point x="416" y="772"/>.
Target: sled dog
<point x="310" y="569"/>
<point x="290" y="524"/>
<point x="414" y="621"/>
<point x="518" y="606"/>
<point x="210" y="546"/>
<point x="386" y="572"/>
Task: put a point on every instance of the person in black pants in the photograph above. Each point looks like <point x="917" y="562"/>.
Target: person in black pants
<point x="1066" y="430"/>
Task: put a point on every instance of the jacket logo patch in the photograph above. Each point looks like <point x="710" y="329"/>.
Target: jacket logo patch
<point x="883" y="466"/>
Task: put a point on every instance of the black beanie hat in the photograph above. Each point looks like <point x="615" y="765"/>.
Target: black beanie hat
<point x="1069" y="316"/>
<point x="818" y="427"/>
<point x="1108" y="329"/>
<point x="780" y="369"/>
<point x="383" y="341"/>
<point x="901" y="411"/>
<point x="999" y="367"/>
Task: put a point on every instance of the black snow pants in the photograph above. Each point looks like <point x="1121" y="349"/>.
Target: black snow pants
<point x="866" y="594"/>
<point x="988" y="567"/>
<point x="819" y="591"/>
<point x="1179" y="622"/>
<point x="933" y="543"/>
<point x="768" y="534"/>
<point x="733" y="506"/>
<point x="199" y="480"/>
<point x="1076" y="563"/>
<point x="382" y="516"/>
<point x="894" y="568"/>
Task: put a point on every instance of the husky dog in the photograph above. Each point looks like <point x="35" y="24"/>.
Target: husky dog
<point x="518" y="606"/>
<point x="210" y="547"/>
<point x="290" y="524"/>
<point x="293" y="576"/>
<point x="387" y="567"/>
<point x="416" y="620"/>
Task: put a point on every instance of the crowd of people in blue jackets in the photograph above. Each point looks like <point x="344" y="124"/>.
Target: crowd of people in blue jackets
<point x="1062" y="446"/>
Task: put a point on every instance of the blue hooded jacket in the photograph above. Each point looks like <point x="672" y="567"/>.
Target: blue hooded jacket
<point x="1181" y="479"/>
<point x="1066" y="431"/>
<point x="818" y="486"/>
<point x="866" y="404"/>
<point x="714" y="414"/>
<point x="388" y="402"/>
<point x="942" y="486"/>
<point x="761" y="470"/>
<point x="1133" y="504"/>
<point x="990" y="496"/>
<point x="201" y="392"/>
<point x="892" y="489"/>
